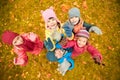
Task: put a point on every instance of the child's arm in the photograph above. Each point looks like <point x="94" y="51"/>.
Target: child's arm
<point x="65" y="66"/>
<point x="67" y="30"/>
<point x="94" y="52"/>
<point x="69" y="44"/>
<point x="30" y="36"/>
<point x="92" y="28"/>
<point x="87" y="26"/>
<point x="22" y="58"/>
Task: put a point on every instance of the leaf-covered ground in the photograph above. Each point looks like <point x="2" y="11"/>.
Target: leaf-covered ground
<point x="24" y="16"/>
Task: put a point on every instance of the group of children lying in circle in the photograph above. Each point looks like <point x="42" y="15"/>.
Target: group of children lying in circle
<point x="63" y="42"/>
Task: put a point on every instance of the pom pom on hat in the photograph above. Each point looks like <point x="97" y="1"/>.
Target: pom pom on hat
<point x="83" y="33"/>
<point x="48" y="13"/>
<point x="8" y="36"/>
<point x="51" y="56"/>
<point x="74" y="12"/>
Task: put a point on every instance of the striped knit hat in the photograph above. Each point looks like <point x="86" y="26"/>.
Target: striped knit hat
<point x="83" y="33"/>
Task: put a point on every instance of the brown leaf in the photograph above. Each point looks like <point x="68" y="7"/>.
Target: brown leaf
<point x="109" y="47"/>
<point x="48" y="75"/>
<point x="65" y="7"/>
<point x="84" y="62"/>
<point x="0" y="44"/>
<point x="84" y="4"/>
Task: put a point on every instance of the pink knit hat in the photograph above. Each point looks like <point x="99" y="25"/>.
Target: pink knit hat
<point x="83" y="33"/>
<point x="8" y="36"/>
<point x="48" y="13"/>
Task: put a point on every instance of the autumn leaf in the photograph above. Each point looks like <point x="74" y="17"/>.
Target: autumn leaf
<point x="76" y="4"/>
<point x="48" y="75"/>
<point x="109" y="47"/>
<point x="84" y="4"/>
<point x="84" y="62"/>
<point x="65" y="7"/>
<point x="0" y="44"/>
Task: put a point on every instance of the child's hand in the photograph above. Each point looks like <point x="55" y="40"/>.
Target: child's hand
<point x="68" y="31"/>
<point x="32" y="36"/>
<point x="96" y="30"/>
<point x="48" y="44"/>
<point x="97" y="60"/>
<point x="63" y="67"/>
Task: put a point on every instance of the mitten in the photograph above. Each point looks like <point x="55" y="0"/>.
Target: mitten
<point x="51" y="56"/>
<point x="68" y="31"/>
<point x="63" y="67"/>
<point x="96" y="30"/>
<point x="97" y="60"/>
<point x="48" y="44"/>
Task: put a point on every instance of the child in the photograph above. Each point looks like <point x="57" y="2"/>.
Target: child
<point x="27" y="42"/>
<point x="75" y="23"/>
<point x="80" y="45"/>
<point x="63" y="57"/>
<point x="53" y="27"/>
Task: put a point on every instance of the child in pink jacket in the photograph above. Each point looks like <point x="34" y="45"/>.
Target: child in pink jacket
<point x="27" y="42"/>
<point x="80" y="45"/>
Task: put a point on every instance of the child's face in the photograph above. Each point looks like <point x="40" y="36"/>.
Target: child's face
<point x="74" y="20"/>
<point x="52" y="23"/>
<point x="81" y="41"/>
<point x="58" y="53"/>
<point x="17" y="40"/>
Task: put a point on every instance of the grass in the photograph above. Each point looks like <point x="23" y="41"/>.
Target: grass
<point x="24" y="16"/>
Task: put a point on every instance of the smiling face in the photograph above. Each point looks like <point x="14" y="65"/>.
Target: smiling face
<point x="52" y="23"/>
<point x="82" y="41"/>
<point x="58" y="53"/>
<point x="17" y="40"/>
<point x="74" y="20"/>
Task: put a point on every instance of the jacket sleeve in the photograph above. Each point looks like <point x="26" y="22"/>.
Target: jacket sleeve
<point x="67" y="31"/>
<point x="48" y="35"/>
<point x="87" y="26"/>
<point x="30" y="36"/>
<point x="69" y="59"/>
<point x="19" y="51"/>
<point x="69" y="44"/>
<point x="93" y="51"/>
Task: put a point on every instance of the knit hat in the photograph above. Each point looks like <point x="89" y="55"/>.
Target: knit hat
<point x="48" y="13"/>
<point x="51" y="56"/>
<point x="8" y="36"/>
<point x="74" y="12"/>
<point x="83" y="33"/>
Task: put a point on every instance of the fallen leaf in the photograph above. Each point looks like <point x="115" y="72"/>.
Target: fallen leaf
<point x="84" y="62"/>
<point x="84" y="4"/>
<point x="48" y="75"/>
<point x="109" y="47"/>
<point x="65" y="7"/>
<point x="0" y="44"/>
<point x="0" y="60"/>
<point x="39" y="75"/>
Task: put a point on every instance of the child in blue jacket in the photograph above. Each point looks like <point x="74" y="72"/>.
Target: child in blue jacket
<point x="75" y="23"/>
<point x="62" y="56"/>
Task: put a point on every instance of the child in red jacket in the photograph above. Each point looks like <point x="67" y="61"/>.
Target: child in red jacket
<point x="80" y="45"/>
<point x="27" y="42"/>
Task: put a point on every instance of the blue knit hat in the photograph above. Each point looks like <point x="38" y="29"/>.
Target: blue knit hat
<point x="74" y="12"/>
<point x="51" y="56"/>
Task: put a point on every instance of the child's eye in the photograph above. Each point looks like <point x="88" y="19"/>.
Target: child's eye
<point x="52" y="19"/>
